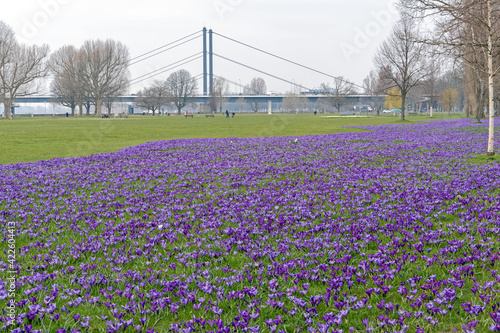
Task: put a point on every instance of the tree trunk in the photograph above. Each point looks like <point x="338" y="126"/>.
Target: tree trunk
<point x="98" y="108"/>
<point x="480" y="105"/>
<point x="87" y="108"/>
<point x="491" y="108"/>
<point x="472" y="95"/>
<point x="8" y="107"/>
<point x="80" y="108"/>
<point x="403" y="101"/>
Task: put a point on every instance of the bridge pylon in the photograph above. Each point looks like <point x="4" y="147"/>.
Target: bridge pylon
<point x="204" y="61"/>
<point x="210" y="73"/>
<point x="210" y="63"/>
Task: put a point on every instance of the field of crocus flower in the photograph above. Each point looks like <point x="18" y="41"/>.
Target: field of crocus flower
<point x="391" y="230"/>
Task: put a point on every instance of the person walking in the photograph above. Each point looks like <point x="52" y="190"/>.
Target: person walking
<point x="227" y="113"/>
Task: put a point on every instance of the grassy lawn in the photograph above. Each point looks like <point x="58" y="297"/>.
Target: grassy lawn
<point x="34" y="139"/>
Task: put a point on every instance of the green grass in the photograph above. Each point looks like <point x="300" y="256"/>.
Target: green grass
<point x="483" y="159"/>
<point x="34" y="139"/>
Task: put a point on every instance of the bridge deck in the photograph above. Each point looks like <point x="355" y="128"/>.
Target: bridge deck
<point x="206" y="99"/>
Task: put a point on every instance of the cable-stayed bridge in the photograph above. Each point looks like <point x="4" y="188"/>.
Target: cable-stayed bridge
<point x="207" y="55"/>
<point x="274" y="98"/>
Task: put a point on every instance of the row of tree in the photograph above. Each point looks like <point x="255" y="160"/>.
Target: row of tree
<point x="430" y="32"/>
<point x="90" y="75"/>
<point x="333" y="96"/>
<point x="174" y="91"/>
<point x="94" y="74"/>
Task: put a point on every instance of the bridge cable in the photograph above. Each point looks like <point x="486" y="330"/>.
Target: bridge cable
<point x="164" y="67"/>
<point x="166" y="70"/>
<point x="132" y="62"/>
<point x="158" y="48"/>
<point x="230" y="81"/>
<point x="258" y="70"/>
<point x="197" y="77"/>
<point x="287" y="60"/>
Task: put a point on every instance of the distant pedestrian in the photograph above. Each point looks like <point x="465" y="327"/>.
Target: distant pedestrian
<point x="233" y="114"/>
<point x="227" y="113"/>
<point x="67" y="115"/>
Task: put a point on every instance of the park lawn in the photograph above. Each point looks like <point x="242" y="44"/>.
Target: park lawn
<point x="34" y="139"/>
<point x="391" y="229"/>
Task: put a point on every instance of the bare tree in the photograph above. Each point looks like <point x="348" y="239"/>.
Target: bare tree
<point x="67" y="68"/>
<point x="87" y="102"/>
<point x="375" y="86"/>
<point x="7" y="44"/>
<point x="22" y="68"/>
<point x="370" y="83"/>
<point x="401" y="58"/>
<point x="106" y="73"/>
<point x="108" y="103"/>
<point x="180" y="87"/>
<point x="241" y="102"/>
<point x="219" y="92"/>
<point x="375" y="83"/>
<point x="429" y="84"/>
<point x="336" y="96"/>
<point x="474" y="61"/>
<point x="469" y="29"/>
<point x="471" y="92"/>
<point x="61" y="89"/>
<point x="292" y="101"/>
<point x="153" y="98"/>
<point x="256" y="87"/>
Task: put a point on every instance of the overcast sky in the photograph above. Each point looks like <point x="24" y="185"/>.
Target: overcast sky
<point x="338" y="37"/>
